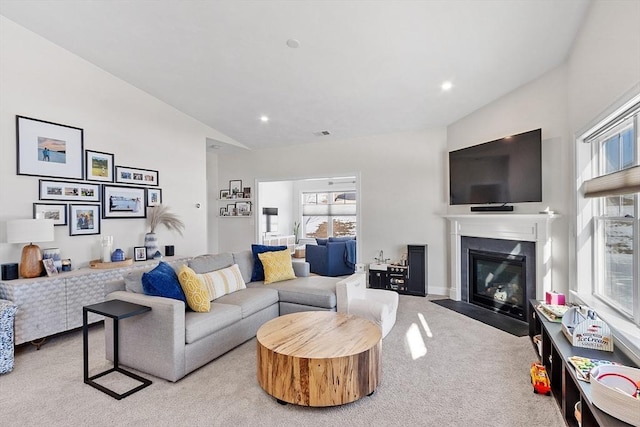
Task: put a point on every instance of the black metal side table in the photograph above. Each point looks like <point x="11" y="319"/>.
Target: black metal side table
<point x="116" y="310"/>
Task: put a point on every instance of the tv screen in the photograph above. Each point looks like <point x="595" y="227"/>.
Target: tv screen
<point x="507" y="170"/>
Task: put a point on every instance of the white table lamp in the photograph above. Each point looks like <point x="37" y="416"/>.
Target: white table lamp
<point x="29" y="231"/>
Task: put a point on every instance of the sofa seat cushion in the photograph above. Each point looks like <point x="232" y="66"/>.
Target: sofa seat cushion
<point x="219" y="316"/>
<point x="251" y="300"/>
<point x="316" y="291"/>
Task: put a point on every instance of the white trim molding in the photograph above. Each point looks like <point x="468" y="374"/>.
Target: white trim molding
<point x="518" y="227"/>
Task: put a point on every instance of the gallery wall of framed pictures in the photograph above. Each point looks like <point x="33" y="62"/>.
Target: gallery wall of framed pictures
<point x="82" y="189"/>
<point x="242" y="197"/>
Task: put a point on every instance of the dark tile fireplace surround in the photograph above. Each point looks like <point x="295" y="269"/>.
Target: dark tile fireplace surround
<point x="498" y="275"/>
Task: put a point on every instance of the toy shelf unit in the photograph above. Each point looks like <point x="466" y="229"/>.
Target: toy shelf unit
<point x="409" y="280"/>
<point x="566" y="388"/>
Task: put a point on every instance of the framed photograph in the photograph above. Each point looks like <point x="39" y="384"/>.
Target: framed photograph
<point x="69" y="191"/>
<point x="247" y="192"/>
<point x="224" y="194"/>
<point x="50" y="267"/>
<point x="98" y="166"/>
<point x="84" y="219"/>
<point x="235" y="186"/>
<point x="55" y="211"/>
<point x="243" y="208"/>
<point x="49" y="149"/>
<point x="223" y="211"/>
<point x="139" y="253"/>
<point x="154" y="196"/>
<point x="239" y="195"/>
<point x="123" y="202"/>
<point x="231" y="210"/>
<point x="127" y="175"/>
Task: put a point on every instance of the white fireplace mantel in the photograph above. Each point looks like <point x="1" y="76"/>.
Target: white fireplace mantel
<point x="511" y="226"/>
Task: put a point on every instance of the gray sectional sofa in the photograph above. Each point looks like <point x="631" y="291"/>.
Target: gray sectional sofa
<point x="171" y="341"/>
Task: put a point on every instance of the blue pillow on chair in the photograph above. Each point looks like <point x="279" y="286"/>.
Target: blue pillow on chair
<point x="258" y="268"/>
<point x="322" y="242"/>
<point x="341" y="239"/>
<point x="162" y="281"/>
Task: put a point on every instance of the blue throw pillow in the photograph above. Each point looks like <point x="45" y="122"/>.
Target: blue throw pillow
<point x="162" y="281"/>
<point x="322" y="242"/>
<point x="258" y="268"/>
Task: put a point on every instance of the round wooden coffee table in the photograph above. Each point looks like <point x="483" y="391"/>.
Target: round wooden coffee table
<point x="319" y="358"/>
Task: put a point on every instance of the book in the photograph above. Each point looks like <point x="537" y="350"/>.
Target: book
<point x="552" y="312"/>
<point x="584" y="365"/>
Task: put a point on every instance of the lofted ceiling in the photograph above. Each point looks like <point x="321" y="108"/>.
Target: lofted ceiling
<point x="361" y="68"/>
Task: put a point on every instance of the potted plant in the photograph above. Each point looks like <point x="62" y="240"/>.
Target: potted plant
<point x="160" y="215"/>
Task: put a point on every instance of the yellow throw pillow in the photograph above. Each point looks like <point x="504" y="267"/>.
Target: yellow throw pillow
<point x="194" y="289"/>
<point x="277" y="266"/>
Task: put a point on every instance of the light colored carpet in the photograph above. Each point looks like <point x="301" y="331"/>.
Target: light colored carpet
<point x="440" y="368"/>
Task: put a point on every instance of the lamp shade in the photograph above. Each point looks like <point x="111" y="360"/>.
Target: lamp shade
<point x="29" y="230"/>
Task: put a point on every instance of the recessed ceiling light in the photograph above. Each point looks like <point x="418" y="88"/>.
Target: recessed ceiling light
<point x="446" y="85"/>
<point x="264" y="119"/>
<point x="293" y="43"/>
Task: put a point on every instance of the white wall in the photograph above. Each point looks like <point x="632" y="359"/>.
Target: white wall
<point x="401" y="177"/>
<point x="603" y="65"/>
<point x="539" y="104"/>
<point x="276" y="194"/>
<point x="40" y="80"/>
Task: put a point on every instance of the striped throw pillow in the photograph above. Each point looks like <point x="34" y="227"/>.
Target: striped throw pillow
<point x="223" y="281"/>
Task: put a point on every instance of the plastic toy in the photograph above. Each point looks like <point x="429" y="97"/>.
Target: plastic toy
<point x="540" y="379"/>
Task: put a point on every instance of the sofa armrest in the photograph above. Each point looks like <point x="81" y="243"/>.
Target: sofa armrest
<point x="152" y="342"/>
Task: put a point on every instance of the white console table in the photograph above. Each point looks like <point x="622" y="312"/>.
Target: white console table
<point x="50" y="305"/>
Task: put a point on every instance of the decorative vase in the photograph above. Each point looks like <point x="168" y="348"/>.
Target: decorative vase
<point x="151" y="243"/>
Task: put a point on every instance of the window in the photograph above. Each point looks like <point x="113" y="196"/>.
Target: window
<point x="616" y="227"/>
<point x="329" y="214"/>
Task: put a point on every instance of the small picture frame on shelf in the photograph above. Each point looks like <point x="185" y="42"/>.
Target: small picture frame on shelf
<point x="235" y="186"/>
<point x="243" y="208"/>
<point x="49" y="267"/>
<point x="139" y="253"/>
<point x="231" y="210"/>
<point x="223" y="211"/>
<point x="247" y="192"/>
<point x="224" y="194"/>
<point x="239" y="195"/>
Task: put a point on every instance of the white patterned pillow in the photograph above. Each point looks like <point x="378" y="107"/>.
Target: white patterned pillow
<point x="223" y="281"/>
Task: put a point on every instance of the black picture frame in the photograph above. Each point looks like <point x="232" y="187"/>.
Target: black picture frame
<point x="99" y="166"/>
<point x="235" y="186"/>
<point x="223" y="211"/>
<point x="139" y="253"/>
<point x="55" y="211"/>
<point x="119" y="201"/>
<point x="154" y="196"/>
<point x="84" y="219"/>
<point x="49" y="149"/>
<point x="224" y="194"/>
<point x="137" y="176"/>
<point x="68" y="191"/>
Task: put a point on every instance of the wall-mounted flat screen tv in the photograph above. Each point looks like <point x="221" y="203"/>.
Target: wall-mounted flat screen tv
<point x="507" y="170"/>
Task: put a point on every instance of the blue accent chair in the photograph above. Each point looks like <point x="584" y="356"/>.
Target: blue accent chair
<point x="331" y="257"/>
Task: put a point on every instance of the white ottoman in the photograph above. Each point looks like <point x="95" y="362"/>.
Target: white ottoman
<point x="378" y="305"/>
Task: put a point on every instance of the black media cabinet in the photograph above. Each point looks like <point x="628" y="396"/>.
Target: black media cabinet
<point x="565" y="386"/>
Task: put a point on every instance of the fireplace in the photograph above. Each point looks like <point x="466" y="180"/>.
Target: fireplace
<point x="497" y="281"/>
<point x="499" y="275"/>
